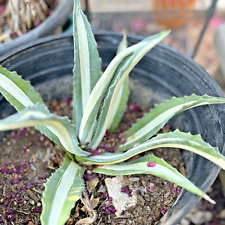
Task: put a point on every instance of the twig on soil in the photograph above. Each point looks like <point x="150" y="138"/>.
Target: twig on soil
<point x="123" y="217"/>
<point x="102" y="203"/>
<point x="100" y="220"/>
<point x="39" y="192"/>
<point x="32" y="195"/>
<point x="26" y="213"/>
<point x="93" y="215"/>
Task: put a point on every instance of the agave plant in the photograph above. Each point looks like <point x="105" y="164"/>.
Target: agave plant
<point x="99" y="102"/>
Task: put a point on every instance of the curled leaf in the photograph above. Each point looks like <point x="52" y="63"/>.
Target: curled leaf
<point x="161" y="169"/>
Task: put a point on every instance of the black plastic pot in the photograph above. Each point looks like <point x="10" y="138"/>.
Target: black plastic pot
<point x="56" y="20"/>
<point x="163" y="73"/>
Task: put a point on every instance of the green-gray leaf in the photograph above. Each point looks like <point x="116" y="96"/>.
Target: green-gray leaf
<point x="161" y="169"/>
<point x="120" y="106"/>
<point x="61" y="193"/>
<point x="17" y="91"/>
<point x="121" y="102"/>
<point x="176" y="139"/>
<point x="115" y="73"/>
<point x="38" y="115"/>
<point x="107" y="110"/>
<point x="87" y="64"/>
<point x="153" y="121"/>
<point x="21" y="95"/>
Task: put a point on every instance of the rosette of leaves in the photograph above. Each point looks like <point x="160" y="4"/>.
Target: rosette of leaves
<point x="93" y="116"/>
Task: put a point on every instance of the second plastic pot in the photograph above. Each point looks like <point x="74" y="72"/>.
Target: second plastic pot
<point x="46" y="28"/>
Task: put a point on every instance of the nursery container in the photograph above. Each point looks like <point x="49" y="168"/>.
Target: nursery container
<point x="47" y="27"/>
<point x="164" y="72"/>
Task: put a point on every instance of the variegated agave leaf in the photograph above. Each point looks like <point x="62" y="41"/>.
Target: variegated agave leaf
<point x="153" y="121"/>
<point x="98" y="93"/>
<point x="114" y="76"/>
<point x="176" y="139"/>
<point x="120" y="104"/>
<point x="62" y="191"/>
<point x="21" y="94"/>
<point x="38" y="116"/>
<point x="87" y="64"/>
<point x="122" y="98"/>
<point x="18" y="92"/>
<point x="160" y="169"/>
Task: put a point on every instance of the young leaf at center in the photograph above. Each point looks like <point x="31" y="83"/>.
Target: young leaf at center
<point x="104" y="81"/>
<point x="121" y="73"/>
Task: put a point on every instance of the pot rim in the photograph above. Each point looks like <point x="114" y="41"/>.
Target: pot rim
<point x="161" y="47"/>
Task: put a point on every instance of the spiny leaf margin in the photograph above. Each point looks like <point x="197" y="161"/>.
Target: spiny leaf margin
<point x="175" y="139"/>
<point x="161" y="169"/>
<point x="101" y="86"/>
<point x="123" y="96"/>
<point x="16" y="82"/>
<point x="120" y="74"/>
<point x="157" y="117"/>
<point x="38" y="116"/>
<point x="93" y="58"/>
<point x="75" y="186"/>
